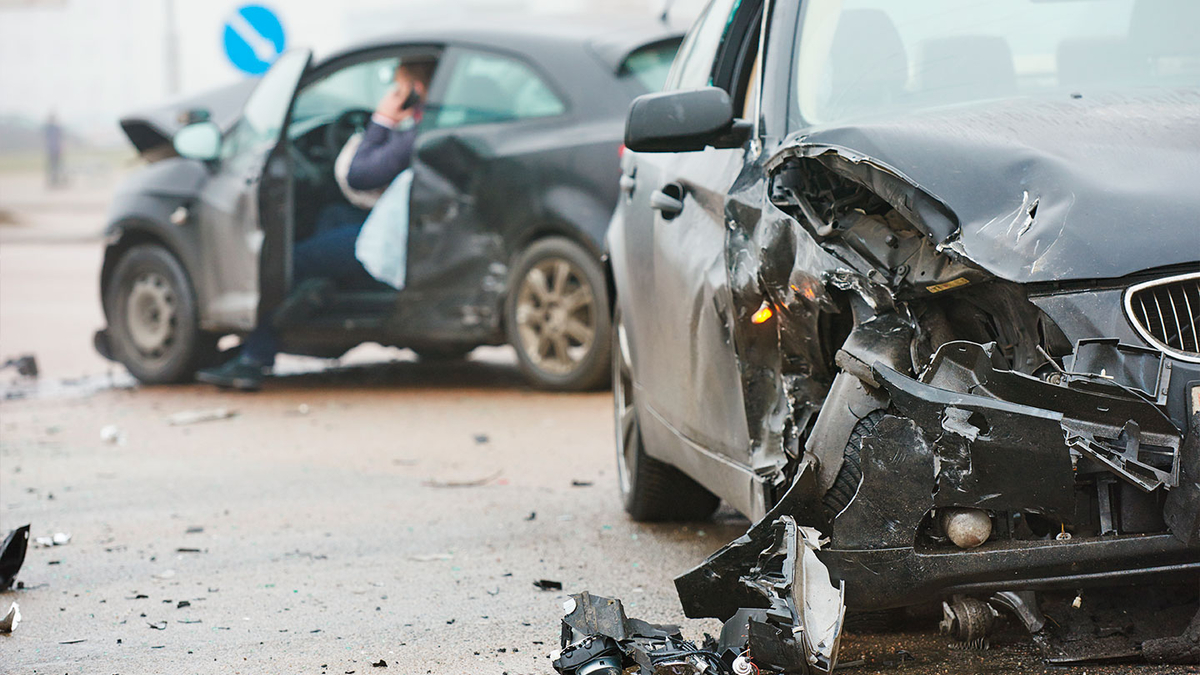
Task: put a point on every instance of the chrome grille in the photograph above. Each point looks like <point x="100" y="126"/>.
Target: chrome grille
<point x="1166" y="312"/>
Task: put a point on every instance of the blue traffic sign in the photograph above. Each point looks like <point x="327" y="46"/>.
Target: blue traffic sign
<point x="254" y="38"/>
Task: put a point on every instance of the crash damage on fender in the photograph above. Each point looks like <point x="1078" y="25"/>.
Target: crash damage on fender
<point x="979" y="378"/>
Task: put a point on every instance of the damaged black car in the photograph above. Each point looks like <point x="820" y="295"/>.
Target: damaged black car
<point x="514" y="181"/>
<point x="916" y="287"/>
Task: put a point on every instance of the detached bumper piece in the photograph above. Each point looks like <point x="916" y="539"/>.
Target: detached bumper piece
<point x="793" y="625"/>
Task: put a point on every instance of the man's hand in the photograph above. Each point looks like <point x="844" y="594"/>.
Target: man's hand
<point x="391" y="105"/>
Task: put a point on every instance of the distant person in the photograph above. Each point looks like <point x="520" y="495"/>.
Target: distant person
<point x="54" y="146"/>
<point x="328" y="258"/>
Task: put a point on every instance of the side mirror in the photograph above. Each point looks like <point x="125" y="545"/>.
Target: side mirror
<point x="201" y="140"/>
<point x="684" y="121"/>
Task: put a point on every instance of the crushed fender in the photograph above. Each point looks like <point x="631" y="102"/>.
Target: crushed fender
<point x="792" y="622"/>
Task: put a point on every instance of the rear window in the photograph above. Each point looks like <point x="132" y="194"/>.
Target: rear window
<point x="646" y="68"/>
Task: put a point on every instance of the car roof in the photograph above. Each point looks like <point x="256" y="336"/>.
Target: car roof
<point x="609" y="40"/>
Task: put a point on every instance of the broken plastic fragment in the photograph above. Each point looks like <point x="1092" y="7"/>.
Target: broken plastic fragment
<point x="195" y="416"/>
<point x="12" y="555"/>
<point x="9" y="623"/>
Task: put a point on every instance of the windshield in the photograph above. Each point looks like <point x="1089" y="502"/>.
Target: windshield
<point x="647" y="67"/>
<point x="862" y="57"/>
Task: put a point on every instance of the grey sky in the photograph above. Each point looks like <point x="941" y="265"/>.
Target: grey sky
<point x="92" y="60"/>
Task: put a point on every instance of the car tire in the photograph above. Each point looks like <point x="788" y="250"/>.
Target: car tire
<point x="557" y="316"/>
<point x="849" y="477"/>
<point x="651" y="490"/>
<point x="153" y="319"/>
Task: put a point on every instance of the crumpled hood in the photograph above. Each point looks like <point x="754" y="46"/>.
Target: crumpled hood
<point x="1052" y="189"/>
<point x="149" y="130"/>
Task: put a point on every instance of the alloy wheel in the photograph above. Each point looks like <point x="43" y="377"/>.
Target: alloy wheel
<point x="151" y="313"/>
<point x="627" y="432"/>
<point x="556" y="316"/>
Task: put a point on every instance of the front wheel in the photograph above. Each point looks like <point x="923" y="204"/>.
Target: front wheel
<point x="650" y="490"/>
<point x="152" y="317"/>
<point x="557" y="316"/>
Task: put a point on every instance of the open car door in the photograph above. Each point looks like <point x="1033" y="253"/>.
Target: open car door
<point x="245" y="207"/>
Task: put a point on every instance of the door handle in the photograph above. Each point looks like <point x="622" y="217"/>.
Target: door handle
<point x="668" y="200"/>
<point x="628" y="183"/>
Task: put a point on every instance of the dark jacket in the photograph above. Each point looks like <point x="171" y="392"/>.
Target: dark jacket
<point x="383" y="153"/>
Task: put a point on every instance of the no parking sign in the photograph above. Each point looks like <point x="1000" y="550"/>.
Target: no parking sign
<point x="254" y="38"/>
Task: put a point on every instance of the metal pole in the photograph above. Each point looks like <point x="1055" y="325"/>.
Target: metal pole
<point x="171" y="48"/>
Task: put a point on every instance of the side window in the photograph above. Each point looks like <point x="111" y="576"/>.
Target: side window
<point x="486" y="88"/>
<point x="262" y="116"/>
<point x="358" y="86"/>
<point x="694" y="65"/>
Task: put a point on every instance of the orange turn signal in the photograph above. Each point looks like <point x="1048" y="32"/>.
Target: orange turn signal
<point x="763" y="314"/>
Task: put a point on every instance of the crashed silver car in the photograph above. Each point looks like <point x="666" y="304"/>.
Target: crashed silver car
<point x="916" y="287"/>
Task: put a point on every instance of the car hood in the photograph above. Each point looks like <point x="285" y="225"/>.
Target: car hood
<point x="151" y="130"/>
<point x="1048" y="189"/>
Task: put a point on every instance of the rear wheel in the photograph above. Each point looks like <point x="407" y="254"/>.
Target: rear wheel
<point x="650" y="490"/>
<point x="557" y="316"/>
<point x="152" y="317"/>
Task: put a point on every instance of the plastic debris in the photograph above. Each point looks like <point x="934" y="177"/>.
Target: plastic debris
<point x="112" y="435"/>
<point x="25" y="364"/>
<point x="379" y="664"/>
<point x="197" y="416"/>
<point x="12" y="555"/>
<point x="9" y="623"/>
<point x="548" y="585"/>
<point x="59" y="539"/>
<point x="478" y="482"/>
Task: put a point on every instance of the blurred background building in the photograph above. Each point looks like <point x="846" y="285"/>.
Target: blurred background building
<point x="90" y="61"/>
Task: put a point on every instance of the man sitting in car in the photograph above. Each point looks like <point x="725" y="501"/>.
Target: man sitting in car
<point x="328" y="258"/>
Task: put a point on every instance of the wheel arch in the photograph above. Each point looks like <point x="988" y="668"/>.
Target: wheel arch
<point x="129" y="232"/>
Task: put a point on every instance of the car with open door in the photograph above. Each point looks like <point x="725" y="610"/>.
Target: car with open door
<point x="514" y="180"/>
<point x="916" y="287"/>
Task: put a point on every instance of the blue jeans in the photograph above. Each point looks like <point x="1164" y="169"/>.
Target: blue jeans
<point x="329" y="254"/>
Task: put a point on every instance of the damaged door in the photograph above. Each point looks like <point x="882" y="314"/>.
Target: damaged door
<point x="467" y="174"/>
<point x="676" y="245"/>
<point x="245" y="220"/>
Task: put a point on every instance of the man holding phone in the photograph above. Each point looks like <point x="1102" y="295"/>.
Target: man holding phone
<point x="328" y="258"/>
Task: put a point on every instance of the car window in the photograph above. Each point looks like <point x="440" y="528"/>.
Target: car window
<point x="646" y="68"/>
<point x="860" y="57"/>
<point x="359" y="86"/>
<point x="485" y="87"/>
<point x="694" y="64"/>
<point x="263" y="115"/>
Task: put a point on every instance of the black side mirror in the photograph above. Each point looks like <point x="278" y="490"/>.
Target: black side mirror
<point x="684" y="121"/>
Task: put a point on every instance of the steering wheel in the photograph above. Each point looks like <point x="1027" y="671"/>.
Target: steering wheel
<point x="346" y="125"/>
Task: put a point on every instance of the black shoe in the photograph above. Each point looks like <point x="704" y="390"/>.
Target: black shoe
<point x="239" y="373"/>
<point x="304" y="301"/>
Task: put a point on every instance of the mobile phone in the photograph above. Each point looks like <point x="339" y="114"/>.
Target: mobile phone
<point x="412" y="100"/>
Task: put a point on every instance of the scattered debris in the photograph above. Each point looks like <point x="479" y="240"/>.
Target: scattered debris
<point x="480" y="439"/>
<point x="165" y="574"/>
<point x="182" y="604"/>
<point x="72" y="642"/>
<point x="478" y="482"/>
<point x="430" y="557"/>
<point x="548" y="585"/>
<point x="581" y="483"/>
<point x="789" y="617"/>
<point x="379" y="664"/>
<point x="25" y="364"/>
<point x="194" y="529"/>
<point x="188" y="550"/>
<point x="532" y="516"/>
<point x="197" y="416"/>
<point x="112" y="435"/>
<point x="9" y="623"/>
<point x="12" y="555"/>
<point x="158" y="625"/>
<point x="59" y="539"/>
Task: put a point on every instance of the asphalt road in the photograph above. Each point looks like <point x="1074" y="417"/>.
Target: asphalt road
<point x="377" y="509"/>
